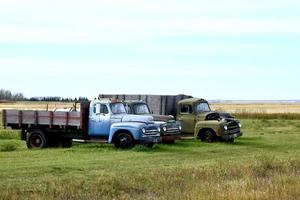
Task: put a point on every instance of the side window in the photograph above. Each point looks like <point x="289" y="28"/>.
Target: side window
<point x="103" y="109"/>
<point x="185" y="108"/>
<point x="94" y="108"/>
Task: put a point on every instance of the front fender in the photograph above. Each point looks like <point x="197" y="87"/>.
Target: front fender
<point x="132" y="127"/>
<point x="213" y="124"/>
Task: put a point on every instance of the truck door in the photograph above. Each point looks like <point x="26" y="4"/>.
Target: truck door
<point x="99" y="121"/>
<point x="186" y="118"/>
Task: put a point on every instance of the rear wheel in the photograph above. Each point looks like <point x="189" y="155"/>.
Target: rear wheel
<point x="37" y="140"/>
<point x="66" y="142"/>
<point x="53" y="141"/>
<point x="208" y="136"/>
<point x="124" y="141"/>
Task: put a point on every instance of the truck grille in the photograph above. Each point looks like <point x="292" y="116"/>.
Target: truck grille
<point x="152" y="130"/>
<point x="172" y="128"/>
<point x="233" y="128"/>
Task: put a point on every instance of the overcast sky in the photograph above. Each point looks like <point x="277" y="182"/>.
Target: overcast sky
<point x="216" y="49"/>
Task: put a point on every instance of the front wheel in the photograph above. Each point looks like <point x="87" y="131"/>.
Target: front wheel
<point x="208" y="136"/>
<point x="124" y="141"/>
<point x="231" y="140"/>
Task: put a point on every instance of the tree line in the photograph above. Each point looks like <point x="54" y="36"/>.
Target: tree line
<point x="7" y="95"/>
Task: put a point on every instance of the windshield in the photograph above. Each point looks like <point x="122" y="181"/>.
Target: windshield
<point x="202" y="107"/>
<point x="141" y="109"/>
<point x="117" y="108"/>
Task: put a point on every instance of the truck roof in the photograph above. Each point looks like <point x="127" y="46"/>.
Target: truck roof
<point x="104" y="100"/>
<point x="191" y="101"/>
<point x="134" y="101"/>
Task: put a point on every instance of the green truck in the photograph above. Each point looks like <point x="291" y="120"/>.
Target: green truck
<point x="194" y="114"/>
<point x="197" y="118"/>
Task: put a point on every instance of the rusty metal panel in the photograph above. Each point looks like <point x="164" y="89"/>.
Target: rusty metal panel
<point x="28" y="117"/>
<point x="60" y="118"/>
<point x="154" y="102"/>
<point x="12" y="116"/>
<point x="74" y="119"/>
<point x="44" y="117"/>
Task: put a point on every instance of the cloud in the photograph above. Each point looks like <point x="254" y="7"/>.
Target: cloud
<point x="114" y="68"/>
<point x="128" y="22"/>
<point x="123" y="31"/>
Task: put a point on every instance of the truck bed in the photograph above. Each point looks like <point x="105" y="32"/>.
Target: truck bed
<point x="18" y="119"/>
<point x="30" y="118"/>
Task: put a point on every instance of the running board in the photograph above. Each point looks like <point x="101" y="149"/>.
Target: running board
<point x="90" y="141"/>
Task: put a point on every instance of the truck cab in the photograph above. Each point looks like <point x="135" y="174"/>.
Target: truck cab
<point x="170" y="129"/>
<point x="196" y="117"/>
<point x="109" y="119"/>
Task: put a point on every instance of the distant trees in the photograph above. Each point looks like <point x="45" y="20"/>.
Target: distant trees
<point x="7" y="95"/>
<point x="61" y="99"/>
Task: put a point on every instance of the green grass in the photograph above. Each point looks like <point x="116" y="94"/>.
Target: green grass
<point x="263" y="164"/>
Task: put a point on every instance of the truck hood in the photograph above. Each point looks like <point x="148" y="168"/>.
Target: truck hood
<point x="215" y="116"/>
<point x="163" y="118"/>
<point x="137" y="118"/>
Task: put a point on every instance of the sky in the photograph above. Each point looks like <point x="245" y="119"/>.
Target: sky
<point x="230" y="50"/>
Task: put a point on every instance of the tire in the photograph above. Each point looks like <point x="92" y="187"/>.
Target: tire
<point x="208" y="136"/>
<point x="230" y="140"/>
<point x="37" y="140"/>
<point x="53" y="142"/>
<point x="149" y="145"/>
<point x="124" y="141"/>
<point x="169" y="142"/>
<point x="66" y="142"/>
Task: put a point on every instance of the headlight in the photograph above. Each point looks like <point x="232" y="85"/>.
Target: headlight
<point x="158" y="129"/>
<point x="240" y="125"/>
<point x="144" y="130"/>
<point x="180" y="128"/>
<point x="225" y="128"/>
<point x="165" y="129"/>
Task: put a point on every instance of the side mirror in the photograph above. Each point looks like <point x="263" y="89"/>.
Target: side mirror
<point x="98" y="109"/>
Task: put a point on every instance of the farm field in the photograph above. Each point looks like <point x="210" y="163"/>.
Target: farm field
<point x="263" y="164"/>
<point x="264" y="108"/>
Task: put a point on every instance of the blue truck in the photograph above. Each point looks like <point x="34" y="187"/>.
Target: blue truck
<point x="102" y="120"/>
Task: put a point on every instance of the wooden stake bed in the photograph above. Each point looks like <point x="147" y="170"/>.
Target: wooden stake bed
<point x="42" y="118"/>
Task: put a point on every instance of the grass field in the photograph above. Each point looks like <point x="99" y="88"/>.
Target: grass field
<point x="263" y="164"/>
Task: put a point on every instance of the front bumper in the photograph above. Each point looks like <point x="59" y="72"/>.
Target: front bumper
<point x="170" y="137"/>
<point x="232" y="136"/>
<point x="147" y="139"/>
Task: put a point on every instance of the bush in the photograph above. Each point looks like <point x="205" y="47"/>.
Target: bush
<point x="8" y="146"/>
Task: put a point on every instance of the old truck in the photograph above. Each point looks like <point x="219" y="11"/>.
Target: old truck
<point x="196" y="117"/>
<point x="194" y="114"/>
<point x="170" y="129"/>
<point x="99" y="120"/>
